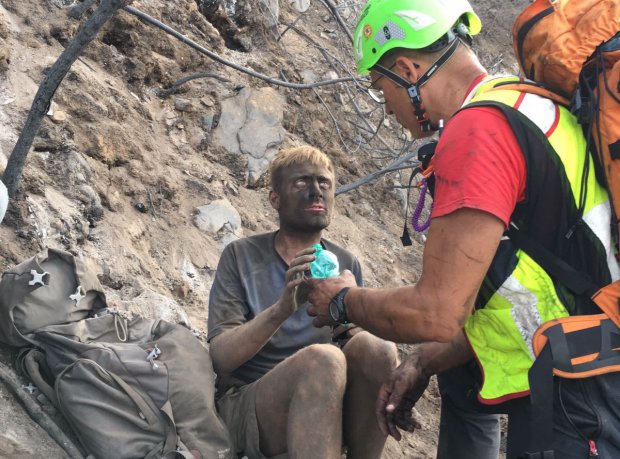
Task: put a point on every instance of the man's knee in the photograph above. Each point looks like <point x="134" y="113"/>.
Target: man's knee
<point x="371" y="355"/>
<point x="321" y="374"/>
<point x="322" y="361"/>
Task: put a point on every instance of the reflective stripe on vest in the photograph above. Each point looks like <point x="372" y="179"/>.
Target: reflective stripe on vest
<point x="501" y="332"/>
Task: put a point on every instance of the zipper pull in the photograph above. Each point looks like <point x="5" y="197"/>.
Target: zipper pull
<point x="593" y="451"/>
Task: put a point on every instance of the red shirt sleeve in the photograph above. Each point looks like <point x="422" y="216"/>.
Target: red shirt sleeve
<point x="478" y="165"/>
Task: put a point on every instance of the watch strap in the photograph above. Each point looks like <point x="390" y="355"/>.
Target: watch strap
<point x="342" y="310"/>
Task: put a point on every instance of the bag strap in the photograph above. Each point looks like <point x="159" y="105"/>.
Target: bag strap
<point x="576" y="281"/>
<point x="581" y="346"/>
<point x="32" y="360"/>
<point x="173" y="447"/>
<point x="557" y="347"/>
<point x="571" y="347"/>
<point x="540" y="436"/>
<point x="608" y="300"/>
<point x="532" y="87"/>
<point x="170" y="443"/>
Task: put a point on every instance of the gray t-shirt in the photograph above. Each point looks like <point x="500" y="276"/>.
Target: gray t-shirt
<point x="249" y="279"/>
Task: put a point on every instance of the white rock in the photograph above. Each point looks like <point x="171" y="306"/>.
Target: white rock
<point x="59" y="116"/>
<point x="331" y="75"/>
<point x="226" y="239"/>
<point x="308" y="76"/>
<point x="300" y="5"/>
<point x="251" y="125"/>
<point x="213" y="217"/>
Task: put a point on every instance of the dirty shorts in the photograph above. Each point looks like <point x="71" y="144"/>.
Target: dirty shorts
<point x="237" y="407"/>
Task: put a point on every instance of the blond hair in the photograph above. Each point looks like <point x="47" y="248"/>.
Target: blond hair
<point x="294" y="156"/>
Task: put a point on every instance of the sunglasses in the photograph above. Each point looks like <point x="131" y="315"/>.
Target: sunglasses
<point x="375" y="93"/>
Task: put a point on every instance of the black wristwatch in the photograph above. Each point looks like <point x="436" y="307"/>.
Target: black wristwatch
<point x="337" y="310"/>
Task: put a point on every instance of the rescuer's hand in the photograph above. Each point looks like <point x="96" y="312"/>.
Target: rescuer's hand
<point x="322" y="292"/>
<point x="397" y="398"/>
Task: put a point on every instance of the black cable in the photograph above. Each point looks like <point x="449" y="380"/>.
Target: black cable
<point x="169" y="30"/>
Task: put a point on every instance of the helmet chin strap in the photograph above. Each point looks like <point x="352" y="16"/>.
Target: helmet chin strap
<point x="413" y="89"/>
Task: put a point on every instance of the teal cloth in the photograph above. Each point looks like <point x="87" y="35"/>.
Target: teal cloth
<point x="325" y="264"/>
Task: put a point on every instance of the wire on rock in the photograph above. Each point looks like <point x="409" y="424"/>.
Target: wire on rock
<point x="47" y="89"/>
<point x="216" y="57"/>
<point x="330" y="60"/>
<point x="177" y="84"/>
<point x="390" y="168"/>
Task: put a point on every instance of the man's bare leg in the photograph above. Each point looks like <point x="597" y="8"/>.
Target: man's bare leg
<point x="299" y="404"/>
<point x="370" y="361"/>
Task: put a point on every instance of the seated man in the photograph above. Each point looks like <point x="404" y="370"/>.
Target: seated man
<point x="283" y="387"/>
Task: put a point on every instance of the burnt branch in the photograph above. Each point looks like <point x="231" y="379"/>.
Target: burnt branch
<point x="334" y="11"/>
<point x="50" y="84"/>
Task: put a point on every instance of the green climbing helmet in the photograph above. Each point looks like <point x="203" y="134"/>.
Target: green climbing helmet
<point x="411" y="24"/>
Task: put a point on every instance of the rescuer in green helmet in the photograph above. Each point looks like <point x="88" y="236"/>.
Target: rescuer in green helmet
<point x="508" y="166"/>
<point x="388" y="29"/>
<point x="432" y="30"/>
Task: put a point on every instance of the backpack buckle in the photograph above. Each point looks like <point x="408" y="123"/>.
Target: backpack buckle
<point x="38" y="278"/>
<point x="77" y="296"/>
<point x="152" y="355"/>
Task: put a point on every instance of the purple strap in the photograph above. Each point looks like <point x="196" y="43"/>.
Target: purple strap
<point x="415" y="218"/>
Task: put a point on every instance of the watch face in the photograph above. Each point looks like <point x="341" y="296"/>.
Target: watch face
<point x="333" y="311"/>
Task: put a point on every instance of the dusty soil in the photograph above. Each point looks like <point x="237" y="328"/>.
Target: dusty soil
<point x="116" y="172"/>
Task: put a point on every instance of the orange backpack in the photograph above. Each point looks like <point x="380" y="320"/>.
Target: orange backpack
<point x="571" y="51"/>
<point x="572" y="47"/>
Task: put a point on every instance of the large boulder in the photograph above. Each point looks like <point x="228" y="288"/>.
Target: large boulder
<point x="251" y="125"/>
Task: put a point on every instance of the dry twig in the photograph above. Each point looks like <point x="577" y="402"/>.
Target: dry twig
<point x="334" y="10"/>
<point x="375" y="175"/>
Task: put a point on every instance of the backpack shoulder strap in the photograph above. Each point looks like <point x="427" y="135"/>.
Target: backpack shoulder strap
<point x="576" y="281"/>
<point x="531" y="87"/>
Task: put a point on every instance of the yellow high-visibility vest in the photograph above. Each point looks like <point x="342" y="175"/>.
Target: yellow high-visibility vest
<point x="519" y="296"/>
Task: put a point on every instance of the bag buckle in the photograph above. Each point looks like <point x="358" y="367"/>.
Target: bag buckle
<point x="38" y="278"/>
<point x="152" y="355"/>
<point x="77" y="296"/>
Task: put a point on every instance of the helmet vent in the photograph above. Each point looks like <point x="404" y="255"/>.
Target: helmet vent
<point x="389" y="31"/>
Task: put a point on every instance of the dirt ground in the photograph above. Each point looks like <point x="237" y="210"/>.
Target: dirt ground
<point x="116" y="173"/>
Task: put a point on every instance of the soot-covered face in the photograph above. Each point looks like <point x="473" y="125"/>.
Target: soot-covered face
<point x="305" y="198"/>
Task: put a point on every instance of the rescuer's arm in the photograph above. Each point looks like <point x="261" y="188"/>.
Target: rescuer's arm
<point x="457" y="255"/>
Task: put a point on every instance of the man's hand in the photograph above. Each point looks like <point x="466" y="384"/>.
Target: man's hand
<point x="322" y="291"/>
<point x="293" y="278"/>
<point x="398" y="396"/>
